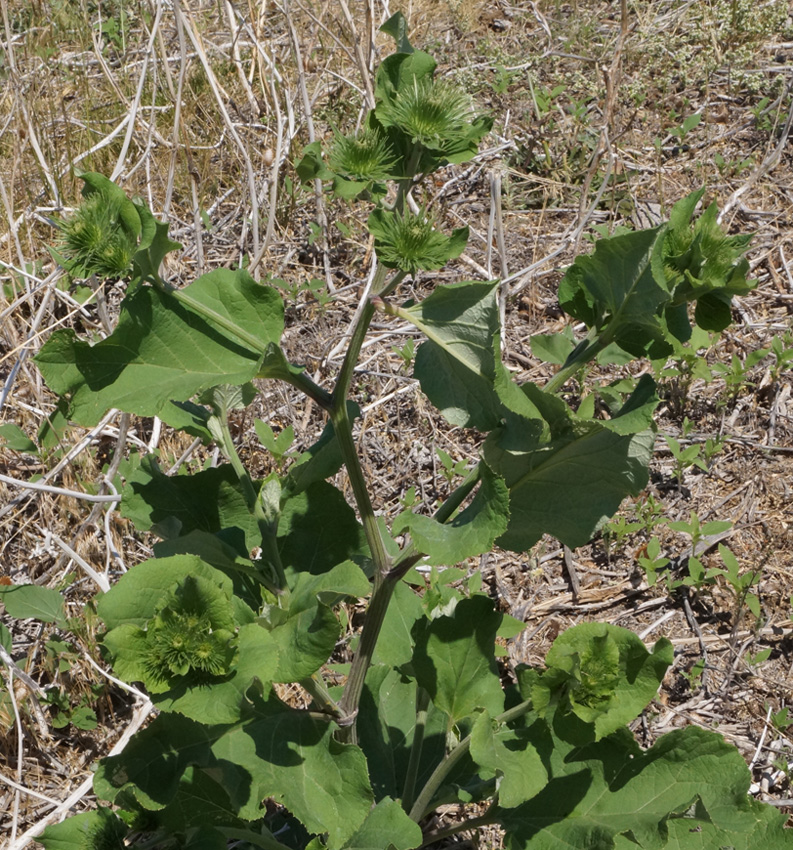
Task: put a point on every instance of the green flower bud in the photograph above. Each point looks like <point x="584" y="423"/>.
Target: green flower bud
<point x="364" y="157"/>
<point x="432" y="112"/>
<point x="411" y="242"/>
<point x="184" y="640"/>
<point x="95" y="240"/>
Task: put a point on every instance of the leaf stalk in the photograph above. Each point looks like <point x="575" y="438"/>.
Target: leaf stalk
<point x="423" y="801"/>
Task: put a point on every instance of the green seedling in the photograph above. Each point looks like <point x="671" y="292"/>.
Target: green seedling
<point x="406" y="353"/>
<point x="740" y="582"/>
<point x="277" y="444"/>
<point x="694" y="675"/>
<point x="763" y="118"/>
<point x="406" y="708"/>
<point x="503" y="79"/>
<point x="651" y="513"/>
<point x="682" y="131"/>
<point x="684" y="458"/>
<point x="781" y="720"/>
<point x="713" y="446"/>
<point x="757" y="658"/>
<point x="652" y="562"/>
<point x="699" y="532"/>
<point x="617" y="531"/>
<point x="13" y="438"/>
<point x="450" y="468"/>
<point x="735" y="375"/>
<point x="687" y="365"/>
<point x="698" y="576"/>
<point x="410" y="498"/>
<point x="782" y="352"/>
<point x="63" y="712"/>
<point x="734" y="167"/>
<point x="543" y="99"/>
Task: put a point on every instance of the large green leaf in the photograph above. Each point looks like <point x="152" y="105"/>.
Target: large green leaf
<point x="273" y="752"/>
<point x="161" y="351"/>
<point x="318" y="530"/>
<point x="570" y="484"/>
<point x="152" y="764"/>
<point x="621" y="287"/>
<point x="386" y="728"/>
<point x="574" y="487"/>
<point x="454" y="659"/>
<point x="508" y="755"/>
<point x="759" y="826"/>
<point x="288" y="755"/>
<point x="599" y="791"/>
<point x="200" y="802"/>
<point x="210" y="500"/>
<point x="320" y="461"/>
<point x="135" y="598"/>
<point x="395" y="644"/>
<point x="386" y="827"/>
<point x="470" y="533"/>
<point x="457" y="365"/>
<point x="307" y="630"/>
<point x="25" y="601"/>
<point x="214" y="551"/>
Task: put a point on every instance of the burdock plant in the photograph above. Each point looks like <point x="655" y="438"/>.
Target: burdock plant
<point x="241" y="602"/>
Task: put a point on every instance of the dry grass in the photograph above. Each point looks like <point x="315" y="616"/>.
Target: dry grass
<point x="202" y="108"/>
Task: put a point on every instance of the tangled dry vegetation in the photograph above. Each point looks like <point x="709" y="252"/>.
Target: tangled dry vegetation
<point x="601" y="121"/>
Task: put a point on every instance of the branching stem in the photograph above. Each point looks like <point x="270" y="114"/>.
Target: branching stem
<point x="375" y="614"/>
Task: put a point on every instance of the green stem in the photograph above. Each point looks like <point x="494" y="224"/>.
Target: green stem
<point x="422" y="704"/>
<point x="405" y="185"/>
<point x="343" y="430"/>
<point x="422" y="804"/>
<point x="383" y="586"/>
<point x="586" y="350"/>
<point x="375" y="614"/>
<point x="302" y="382"/>
<point x="379" y="287"/>
<point x="458" y="495"/>
<point x="318" y="690"/>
